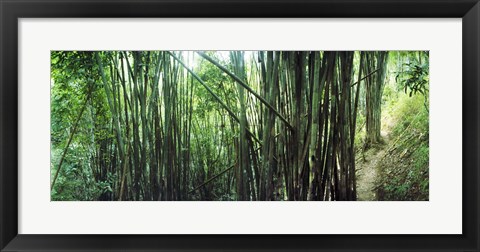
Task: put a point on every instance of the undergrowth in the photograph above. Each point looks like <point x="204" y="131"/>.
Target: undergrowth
<point x="404" y="170"/>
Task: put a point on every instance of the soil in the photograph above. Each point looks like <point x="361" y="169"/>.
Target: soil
<point x="367" y="167"/>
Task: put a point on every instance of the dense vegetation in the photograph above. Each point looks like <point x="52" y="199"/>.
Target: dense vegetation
<point x="405" y="174"/>
<point x="238" y="125"/>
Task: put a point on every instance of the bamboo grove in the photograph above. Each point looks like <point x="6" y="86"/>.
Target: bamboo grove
<point x="183" y="125"/>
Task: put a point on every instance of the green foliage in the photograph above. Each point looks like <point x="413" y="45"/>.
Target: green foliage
<point x="410" y="115"/>
<point x="73" y="77"/>
<point x="221" y="84"/>
<point x="361" y="132"/>
<point x="75" y="181"/>
<point x="405" y="174"/>
<point x="414" y="79"/>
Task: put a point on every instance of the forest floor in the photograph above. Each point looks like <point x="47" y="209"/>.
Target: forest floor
<point x="367" y="166"/>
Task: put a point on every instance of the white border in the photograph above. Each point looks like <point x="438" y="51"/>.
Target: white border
<point x="441" y="215"/>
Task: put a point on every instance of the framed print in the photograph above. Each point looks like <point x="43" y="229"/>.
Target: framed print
<point x="224" y="125"/>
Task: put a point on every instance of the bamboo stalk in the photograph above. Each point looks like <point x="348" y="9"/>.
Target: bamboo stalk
<point x="247" y="88"/>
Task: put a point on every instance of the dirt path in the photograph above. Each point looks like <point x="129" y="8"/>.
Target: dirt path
<point x="367" y="169"/>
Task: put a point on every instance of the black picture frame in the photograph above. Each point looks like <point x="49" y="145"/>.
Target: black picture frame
<point x="11" y="11"/>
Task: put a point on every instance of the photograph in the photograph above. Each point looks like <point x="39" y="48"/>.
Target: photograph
<point x="267" y="125"/>
<point x="239" y="125"/>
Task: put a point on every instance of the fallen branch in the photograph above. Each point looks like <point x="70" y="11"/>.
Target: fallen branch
<point x="366" y="76"/>
<point x="212" y="178"/>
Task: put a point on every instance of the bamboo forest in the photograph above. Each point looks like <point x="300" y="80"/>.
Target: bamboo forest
<point x="239" y="126"/>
